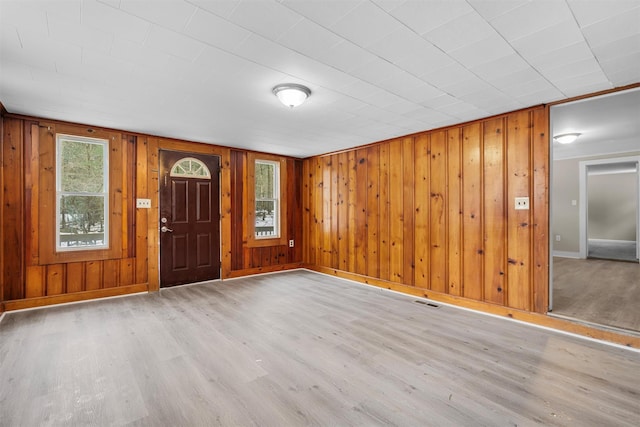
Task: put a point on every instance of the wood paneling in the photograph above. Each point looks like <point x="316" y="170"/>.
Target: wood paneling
<point x="246" y="256"/>
<point x="12" y="241"/>
<point x="436" y="211"/>
<point x="34" y="274"/>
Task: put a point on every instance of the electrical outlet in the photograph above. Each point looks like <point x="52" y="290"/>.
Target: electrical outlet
<point x="291" y="243"/>
<point x="522" y="203"/>
<point x="143" y="203"/>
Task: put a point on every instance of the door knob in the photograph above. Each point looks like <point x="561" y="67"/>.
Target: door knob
<point x="164" y="229"/>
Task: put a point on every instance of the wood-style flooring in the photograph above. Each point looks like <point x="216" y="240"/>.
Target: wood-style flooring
<point x="597" y="291"/>
<point x="299" y="348"/>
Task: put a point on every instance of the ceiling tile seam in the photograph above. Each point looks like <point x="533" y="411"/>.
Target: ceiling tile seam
<point x="449" y="56"/>
<point x="595" y="57"/>
<point x="520" y="55"/>
<point x="377" y="56"/>
<point x="299" y="53"/>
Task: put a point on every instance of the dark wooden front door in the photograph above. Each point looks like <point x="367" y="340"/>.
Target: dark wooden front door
<point x="189" y="218"/>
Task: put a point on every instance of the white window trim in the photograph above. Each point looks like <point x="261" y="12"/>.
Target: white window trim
<point x="276" y="208"/>
<point x="104" y="193"/>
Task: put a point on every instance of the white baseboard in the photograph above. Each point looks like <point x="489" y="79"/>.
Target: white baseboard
<point x="566" y="254"/>
<point x="612" y="241"/>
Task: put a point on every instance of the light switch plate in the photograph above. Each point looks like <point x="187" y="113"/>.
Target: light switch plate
<point x="143" y="203"/>
<point x="522" y="203"/>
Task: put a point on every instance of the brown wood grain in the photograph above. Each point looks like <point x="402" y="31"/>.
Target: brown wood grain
<point x="494" y="211"/>
<point x="373" y="211"/>
<point x="55" y="277"/>
<point x="454" y="212"/>
<point x="472" y="246"/>
<point x="343" y="211"/>
<point x="142" y="215"/>
<point x="437" y="211"/>
<point x="408" y="231"/>
<point x="361" y="212"/>
<point x="519" y="228"/>
<point x="12" y="227"/>
<point x="422" y="210"/>
<point x="540" y="211"/>
<point x="396" y="212"/>
<point x="384" y="217"/>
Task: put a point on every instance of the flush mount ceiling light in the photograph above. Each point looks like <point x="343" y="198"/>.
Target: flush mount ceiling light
<point x="567" y="138"/>
<point x="291" y="94"/>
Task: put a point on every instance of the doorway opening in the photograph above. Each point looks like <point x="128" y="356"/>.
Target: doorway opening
<point x="594" y="209"/>
<point x="610" y="209"/>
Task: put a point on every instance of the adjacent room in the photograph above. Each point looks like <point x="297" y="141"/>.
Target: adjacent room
<point x="319" y="212"/>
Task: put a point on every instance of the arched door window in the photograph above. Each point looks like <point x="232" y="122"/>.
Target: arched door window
<point x="189" y="167"/>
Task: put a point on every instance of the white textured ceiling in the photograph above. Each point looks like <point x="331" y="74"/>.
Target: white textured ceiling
<point x="203" y="70"/>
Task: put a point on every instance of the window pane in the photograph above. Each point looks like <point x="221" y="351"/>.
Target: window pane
<point x="265" y="180"/>
<point x="81" y="221"/>
<point x="266" y="218"/>
<point x="82" y="167"/>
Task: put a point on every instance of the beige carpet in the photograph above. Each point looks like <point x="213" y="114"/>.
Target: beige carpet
<point x="598" y="291"/>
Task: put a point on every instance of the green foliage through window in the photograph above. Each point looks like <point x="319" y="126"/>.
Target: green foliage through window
<point x="82" y="192"/>
<point x="267" y="220"/>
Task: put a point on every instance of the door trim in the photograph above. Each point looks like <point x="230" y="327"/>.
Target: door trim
<point x="219" y="176"/>
<point x="583" y="201"/>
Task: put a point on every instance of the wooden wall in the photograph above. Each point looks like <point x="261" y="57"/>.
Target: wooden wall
<point x="30" y="279"/>
<point x="433" y="213"/>
<point x="248" y="259"/>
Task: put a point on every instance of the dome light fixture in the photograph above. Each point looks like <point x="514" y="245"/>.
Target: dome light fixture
<point x="291" y="94"/>
<point x="566" y="138"/>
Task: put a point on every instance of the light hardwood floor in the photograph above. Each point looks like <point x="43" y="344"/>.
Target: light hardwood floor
<point x="597" y="291"/>
<point x="299" y="348"/>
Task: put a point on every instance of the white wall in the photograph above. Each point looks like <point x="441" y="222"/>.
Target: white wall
<point x="612" y="206"/>
<point x="565" y="188"/>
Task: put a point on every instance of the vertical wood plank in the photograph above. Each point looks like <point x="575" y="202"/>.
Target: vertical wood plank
<point x="35" y="281"/>
<point x="225" y="209"/>
<point x="472" y="208"/>
<point x="454" y="211"/>
<point x="75" y="277"/>
<point x="306" y="210"/>
<point x="438" y="217"/>
<point x="237" y="209"/>
<point x="361" y="212"/>
<point x="518" y="228"/>
<point x="408" y="181"/>
<point x="396" y="211"/>
<point x="93" y="275"/>
<point x="31" y="193"/>
<point x="12" y="227"/>
<point x="343" y="211"/>
<point x="494" y="211"/>
<point x="127" y="266"/>
<point x="153" y="243"/>
<point x="351" y="255"/>
<point x="373" y="211"/>
<point x="326" y="211"/>
<point x="130" y="180"/>
<point x="422" y="260"/>
<point x="540" y="210"/>
<point x="318" y="237"/>
<point x="335" y="219"/>
<point x="142" y="244"/>
<point x="111" y="274"/>
<point x="55" y="279"/>
<point x="384" y="220"/>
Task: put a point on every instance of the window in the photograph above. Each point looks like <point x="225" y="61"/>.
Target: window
<point x="190" y="167"/>
<point x="266" y="201"/>
<point x="82" y="193"/>
<point x="267" y="193"/>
